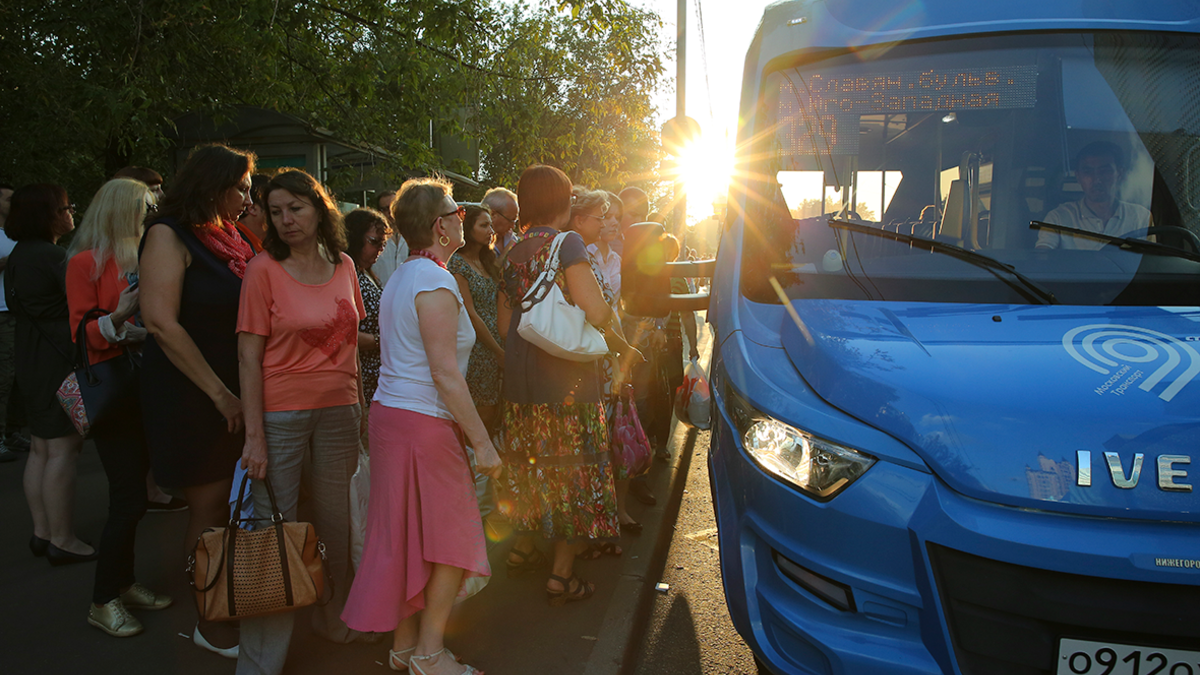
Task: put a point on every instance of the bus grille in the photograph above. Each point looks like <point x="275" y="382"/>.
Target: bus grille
<point x="1007" y="619"/>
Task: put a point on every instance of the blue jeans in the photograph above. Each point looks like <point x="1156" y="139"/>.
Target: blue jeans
<point x="320" y="446"/>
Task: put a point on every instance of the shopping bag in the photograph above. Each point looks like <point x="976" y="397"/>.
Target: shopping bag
<point x="631" y="453"/>
<point x="360" y="494"/>
<point x="278" y="567"/>
<point x="693" y="399"/>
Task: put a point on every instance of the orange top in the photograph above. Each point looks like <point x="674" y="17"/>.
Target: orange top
<point x="311" y="355"/>
<point x="85" y="294"/>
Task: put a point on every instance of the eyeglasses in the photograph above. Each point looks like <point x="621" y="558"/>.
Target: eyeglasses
<point x="70" y="208"/>
<point x="512" y="219"/>
<point x="461" y="211"/>
<point x="374" y="241"/>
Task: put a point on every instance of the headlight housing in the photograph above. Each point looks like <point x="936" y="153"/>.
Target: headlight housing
<point x="819" y="467"/>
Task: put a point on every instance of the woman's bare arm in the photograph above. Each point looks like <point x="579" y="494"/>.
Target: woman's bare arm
<point x="163" y="263"/>
<point x="586" y="293"/>
<point x="250" y="356"/>
<point x="482" y="334"/>
<point x="437" y="316"/>
<point x="366" y="342"/>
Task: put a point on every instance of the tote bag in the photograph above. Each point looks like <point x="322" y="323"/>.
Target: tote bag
<point x="554" y="325"/>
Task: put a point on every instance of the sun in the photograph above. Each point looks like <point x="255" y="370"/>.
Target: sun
<point x="705" y="166"/>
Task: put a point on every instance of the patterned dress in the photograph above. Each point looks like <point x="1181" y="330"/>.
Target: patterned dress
<point x="559" y="481"/>
<point x="371" y="293"/>
<point x="483" y="372"/>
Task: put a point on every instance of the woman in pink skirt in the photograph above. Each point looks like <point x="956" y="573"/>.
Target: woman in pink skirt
<point x="424" y="534"/>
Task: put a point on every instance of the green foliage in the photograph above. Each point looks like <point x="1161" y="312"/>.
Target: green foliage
<point x="88" y="87"/>
<point x="583" y="98"/>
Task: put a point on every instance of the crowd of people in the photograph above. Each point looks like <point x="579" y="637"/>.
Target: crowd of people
<point x="276" y="336"/>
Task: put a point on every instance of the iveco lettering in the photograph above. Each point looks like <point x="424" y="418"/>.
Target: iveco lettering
<point x="956" y="377"/>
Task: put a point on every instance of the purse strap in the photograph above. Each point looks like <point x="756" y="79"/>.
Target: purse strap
<point x="81" y="350"/>
<point x="541" y="286"/>
<point x="280" y="540"/>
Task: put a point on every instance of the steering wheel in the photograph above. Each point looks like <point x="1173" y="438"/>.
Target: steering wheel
<point x="1190" y="236"/>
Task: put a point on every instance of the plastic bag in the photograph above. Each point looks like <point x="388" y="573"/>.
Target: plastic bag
<point x="247" y="514"/>
<point x="360" y="493"/>
<point x="693" y="399"/>
<point x="483" y="496"/>
<point x="631" y="453"/>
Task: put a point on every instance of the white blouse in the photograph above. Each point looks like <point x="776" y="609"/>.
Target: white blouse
<point x="405" y="381"/>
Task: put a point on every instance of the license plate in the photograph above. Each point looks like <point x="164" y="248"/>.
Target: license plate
<point x="1084" y="657"/>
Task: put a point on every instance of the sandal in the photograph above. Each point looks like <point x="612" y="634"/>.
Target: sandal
<point x="594" y="551"/>
<point x="632" y="527"/>
<point x="414" y="662"/>
<point x="583" y="590"/>
<point x="528" y="562"/>
<point x="398" y="660"/>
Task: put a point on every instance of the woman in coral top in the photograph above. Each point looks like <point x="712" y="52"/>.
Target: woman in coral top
<point x="102" y="274"/>
<point x="298" y="354"/>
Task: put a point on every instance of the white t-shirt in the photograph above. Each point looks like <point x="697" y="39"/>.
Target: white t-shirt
<point x="6" y="247"/>
<point x="405" y="381"/>
<point x="1126" y="218"/>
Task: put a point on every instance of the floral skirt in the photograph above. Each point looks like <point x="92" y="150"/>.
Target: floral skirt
<point x="558" y="479"/>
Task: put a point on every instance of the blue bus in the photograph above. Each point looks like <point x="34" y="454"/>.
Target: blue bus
<point x="955" y="372"/>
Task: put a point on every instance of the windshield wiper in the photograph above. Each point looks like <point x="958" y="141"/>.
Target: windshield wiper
<point x="1030" y="289"/>
<point x="1126" y="243"/>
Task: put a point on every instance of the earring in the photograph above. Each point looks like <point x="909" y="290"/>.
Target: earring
<point x="444" y="240"/>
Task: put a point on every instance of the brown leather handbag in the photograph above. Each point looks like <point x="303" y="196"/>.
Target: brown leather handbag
<point x="278" y="567"/>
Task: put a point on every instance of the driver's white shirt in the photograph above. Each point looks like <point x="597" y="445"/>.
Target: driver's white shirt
<point x="1126" y="218"/>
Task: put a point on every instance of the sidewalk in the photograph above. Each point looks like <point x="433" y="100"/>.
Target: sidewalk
<point x="507" y="629"/>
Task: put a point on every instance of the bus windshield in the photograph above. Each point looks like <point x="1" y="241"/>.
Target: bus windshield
<point x="975" y="142"/>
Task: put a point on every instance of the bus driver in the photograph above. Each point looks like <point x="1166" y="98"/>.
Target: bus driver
<point x="1099" y="168"/>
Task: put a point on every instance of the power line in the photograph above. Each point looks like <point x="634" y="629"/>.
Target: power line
<point x="704" y="56"/>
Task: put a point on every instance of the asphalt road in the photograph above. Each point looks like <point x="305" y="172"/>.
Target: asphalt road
<point x="688" y="631"/>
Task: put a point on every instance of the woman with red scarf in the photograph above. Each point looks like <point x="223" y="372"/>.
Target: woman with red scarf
<point x="192" y="261"/>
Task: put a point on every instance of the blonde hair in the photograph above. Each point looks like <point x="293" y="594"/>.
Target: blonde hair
<point x="584" y="200"/>
<point x="113" y="224"/>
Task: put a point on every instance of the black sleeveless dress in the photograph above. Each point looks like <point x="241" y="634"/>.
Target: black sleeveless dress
<point x="188" y="439"/>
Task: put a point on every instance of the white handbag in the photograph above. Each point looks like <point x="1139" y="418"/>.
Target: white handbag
<point x="554" y="325"/>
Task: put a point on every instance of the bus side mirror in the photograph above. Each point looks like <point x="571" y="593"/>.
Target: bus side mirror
<point x="646" y="275"/>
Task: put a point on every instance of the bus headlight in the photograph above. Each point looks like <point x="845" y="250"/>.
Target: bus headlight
<point x="817" y="466"/>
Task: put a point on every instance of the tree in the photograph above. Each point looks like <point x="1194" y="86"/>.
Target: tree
<point x="89" y="87"/>
<point x="581" y="98"/>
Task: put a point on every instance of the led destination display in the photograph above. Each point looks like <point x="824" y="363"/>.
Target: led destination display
<point x="814" y="106"/>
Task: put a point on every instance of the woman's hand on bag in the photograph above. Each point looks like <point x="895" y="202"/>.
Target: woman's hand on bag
<point x="230" y="408"/>
<point x="487" y="462"/>
<point x="134" y="335"/>
<point x="254" y="458"/>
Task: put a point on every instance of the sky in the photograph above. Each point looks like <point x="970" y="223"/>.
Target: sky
<point x="714" y="77"/>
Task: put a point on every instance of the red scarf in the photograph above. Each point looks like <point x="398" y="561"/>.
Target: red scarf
<point x="227" y="244"/>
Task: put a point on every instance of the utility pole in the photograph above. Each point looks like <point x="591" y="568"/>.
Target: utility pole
<point x="680" y="110"/>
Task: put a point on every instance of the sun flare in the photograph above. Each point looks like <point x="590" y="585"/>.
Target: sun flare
<point x="705" y="166"/>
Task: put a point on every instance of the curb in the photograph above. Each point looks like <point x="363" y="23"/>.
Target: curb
<point x="628" y="612"/>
